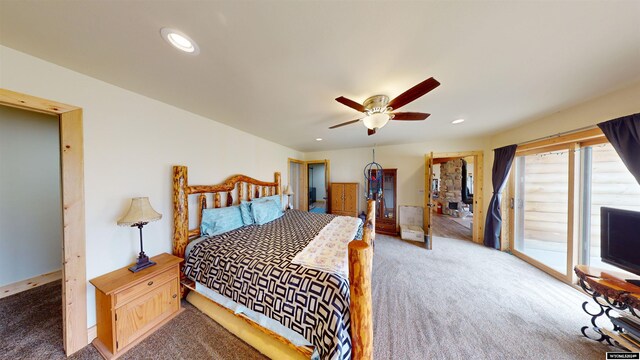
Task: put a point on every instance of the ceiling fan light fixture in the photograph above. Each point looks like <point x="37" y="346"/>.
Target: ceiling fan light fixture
<point x="180" y="41"/>
<point x="376" y="120"/>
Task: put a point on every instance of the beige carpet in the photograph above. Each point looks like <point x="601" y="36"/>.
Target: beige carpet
<point x="458" y="301"/>
<point x="466" y="301"/>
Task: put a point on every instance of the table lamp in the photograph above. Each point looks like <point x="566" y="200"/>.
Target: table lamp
<point x="140" y="214"/>
<point x="288" y="192"/>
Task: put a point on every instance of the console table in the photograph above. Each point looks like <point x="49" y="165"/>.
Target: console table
<point x="610" y="292"/>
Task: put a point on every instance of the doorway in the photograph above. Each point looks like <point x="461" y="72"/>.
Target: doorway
<point x="453" y="196"/>
<point x="309" y="182"/>
<point x="74" y="283"/>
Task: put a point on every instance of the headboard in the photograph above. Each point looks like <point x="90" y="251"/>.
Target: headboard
<point x="236" y="188"/>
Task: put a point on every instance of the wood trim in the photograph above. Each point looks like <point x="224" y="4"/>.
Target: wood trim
<point x="305" y="183"/>
<point x="74" y="284"/>
<point x="563" y="139"/>
<point x="32" y="103"/>
<point x="594" y="142"/>
<point x="550" y="148"/>
<point x="573" y="217"/>
<point x="428" y="199"/>
<point x="23" y="285"/>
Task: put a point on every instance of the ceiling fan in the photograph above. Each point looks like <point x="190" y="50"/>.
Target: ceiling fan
<point x="378" y="109"/>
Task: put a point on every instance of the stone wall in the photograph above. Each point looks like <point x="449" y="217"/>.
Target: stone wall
<point x="450" y="185"/>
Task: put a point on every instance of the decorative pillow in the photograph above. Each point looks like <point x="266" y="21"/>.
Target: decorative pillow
<point x="245" y="210"/>
<point x="275" y="198"/>
<point x="220" y="220"/>
<point x="265" y="211"/>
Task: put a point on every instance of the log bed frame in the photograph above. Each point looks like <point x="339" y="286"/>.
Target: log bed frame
<point x="246" y="188"/>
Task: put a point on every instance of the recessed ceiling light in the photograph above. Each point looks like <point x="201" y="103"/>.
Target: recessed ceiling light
<point x="457" y="121"/>
<point x="180" y="41"/>
<point x="318" y="139"/>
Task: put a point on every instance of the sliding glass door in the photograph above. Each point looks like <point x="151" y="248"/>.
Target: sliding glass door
<point x="605" y="182"/>
<point x="541" y="208"/>
<point x="558" y="191"/>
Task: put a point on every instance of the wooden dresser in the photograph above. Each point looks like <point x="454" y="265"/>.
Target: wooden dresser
<point x="344" y="199"/>
<point x="130" y="306"/>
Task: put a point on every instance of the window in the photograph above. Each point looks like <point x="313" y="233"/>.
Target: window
<point x="558" y="187"/>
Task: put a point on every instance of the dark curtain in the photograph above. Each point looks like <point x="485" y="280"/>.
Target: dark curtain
<point x="503" y="158"/>
<point x="624" y="134"/>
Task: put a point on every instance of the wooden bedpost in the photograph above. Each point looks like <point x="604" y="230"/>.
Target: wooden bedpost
<point x="278" y="190"/>
<point x="369" y="226"/>
<point x="360" y="266"/>
<point x="180" y="211"/>
<point x="360" y="260"/>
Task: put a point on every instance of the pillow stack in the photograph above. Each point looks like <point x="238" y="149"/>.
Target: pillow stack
<point x="258" y="211"/>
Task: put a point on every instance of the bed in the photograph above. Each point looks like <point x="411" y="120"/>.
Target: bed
<point x="246" y="277"/>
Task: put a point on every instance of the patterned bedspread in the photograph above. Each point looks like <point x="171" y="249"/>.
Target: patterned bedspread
<point x="252" y="266"/>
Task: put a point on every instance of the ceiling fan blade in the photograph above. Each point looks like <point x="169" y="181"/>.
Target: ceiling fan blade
<point x="371" y="131"/>
<point x="410" y="116"/>
<point x="344" y="123"/>
<point x="414" y="93"/>
<point x="350" y="103"/>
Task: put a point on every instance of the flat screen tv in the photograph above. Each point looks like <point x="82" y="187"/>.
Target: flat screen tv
<point x="620" y="238"/>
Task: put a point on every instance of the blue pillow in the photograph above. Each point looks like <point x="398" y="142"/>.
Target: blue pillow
<point x="220" y="220"/>
<point x="275" y="198"/>
<point x="245" y="210"/>
<point x="265" y="211"/>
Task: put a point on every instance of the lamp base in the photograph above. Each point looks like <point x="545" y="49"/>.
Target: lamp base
<point x="143" y="263"/>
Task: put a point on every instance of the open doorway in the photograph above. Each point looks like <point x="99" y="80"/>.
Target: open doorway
<point x="317" y="185"/>
<point x="73" y="284"/>
<point x="453" y="196"/>
<point x="309" y="181"/>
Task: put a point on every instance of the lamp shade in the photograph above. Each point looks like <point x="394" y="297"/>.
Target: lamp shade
<point x="288" y="191"/>
<point x="140" y="211"/>
<point x="376" y="120"/>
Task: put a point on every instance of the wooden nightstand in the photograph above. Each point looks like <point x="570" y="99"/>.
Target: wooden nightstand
<point x="131" y="306"/>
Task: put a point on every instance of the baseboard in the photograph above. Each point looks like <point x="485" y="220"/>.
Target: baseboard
<point x="27" y="284"/>
<point x="92" y="333"/>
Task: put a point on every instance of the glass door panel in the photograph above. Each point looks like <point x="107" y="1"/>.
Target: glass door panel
<point x="541" y="200"/>
<point x="606" y="182"/>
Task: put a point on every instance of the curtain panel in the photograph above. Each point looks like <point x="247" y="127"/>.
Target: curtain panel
<point x="503" y="158"/>
<point x="624" y="135"/>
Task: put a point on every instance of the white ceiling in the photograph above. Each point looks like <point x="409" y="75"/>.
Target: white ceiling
<point x="273" y="68"/>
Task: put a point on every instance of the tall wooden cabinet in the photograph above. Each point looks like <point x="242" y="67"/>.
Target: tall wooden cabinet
<point x="344" y="199"/>
<point x="386" y="204"/>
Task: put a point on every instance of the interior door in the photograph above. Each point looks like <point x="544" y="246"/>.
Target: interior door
<point x="428" y="198"/>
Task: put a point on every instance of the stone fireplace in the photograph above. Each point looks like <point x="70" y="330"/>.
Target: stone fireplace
<point x="450" y="194"/>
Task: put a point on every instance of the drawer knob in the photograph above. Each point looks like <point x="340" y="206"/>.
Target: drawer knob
<point x="150" y="283"/>
<point x="175" y="296"/>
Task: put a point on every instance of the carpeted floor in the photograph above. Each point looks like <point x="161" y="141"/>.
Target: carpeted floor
<point x="30" y="328"/>
<point x="465" y="301"/>
<point x="458" y="301"/>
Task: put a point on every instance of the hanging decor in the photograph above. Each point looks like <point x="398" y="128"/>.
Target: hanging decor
<point x="373" y="177"/>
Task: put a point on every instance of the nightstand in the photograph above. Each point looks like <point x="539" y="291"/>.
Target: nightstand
<point x="131" y="306"/>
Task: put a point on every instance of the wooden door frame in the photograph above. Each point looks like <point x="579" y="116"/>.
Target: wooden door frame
<point x="74" y="278"/>
<point x="478" y="187"/>
<point x="305" y="184"/>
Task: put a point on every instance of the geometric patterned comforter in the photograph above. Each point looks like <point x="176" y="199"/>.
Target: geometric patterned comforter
<point x="252" y="266"/>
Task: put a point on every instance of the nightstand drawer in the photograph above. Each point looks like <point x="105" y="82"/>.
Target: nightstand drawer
<point x="142" y="314"/>
<point x="131" y="293"/>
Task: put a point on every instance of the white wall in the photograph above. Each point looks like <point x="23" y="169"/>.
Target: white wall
<point x="130" y="145"/>
<point x="30" y="201"/>
<point x="348" y="165"/>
